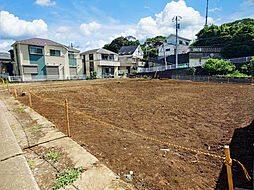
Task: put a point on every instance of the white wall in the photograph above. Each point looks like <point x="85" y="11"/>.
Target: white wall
<point x="138" y="53"/>
<point x="181" y="49"/>
<point x="80" y="65"/>
<point x="168" y="53"/>
<point x="61" y="61"/>
<point x="197" y="62"/>
<point x="172" y="40"/>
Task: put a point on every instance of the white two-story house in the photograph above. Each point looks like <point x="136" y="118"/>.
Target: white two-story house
<point x="169" y="48"/>
<point x="43" y="59"/>
<point x="102" y="61"/>
<point x="130" y="57"/>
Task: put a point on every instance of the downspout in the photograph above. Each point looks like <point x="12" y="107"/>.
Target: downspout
<point x="20" y="63"/>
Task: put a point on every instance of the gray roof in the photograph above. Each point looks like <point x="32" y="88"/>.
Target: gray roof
<point x="39" y="42"/>
<point x="5" y="56"/>
<point x="100" y="50"/>
<point x="43" y="42"/>
<point x="127" y="50"/>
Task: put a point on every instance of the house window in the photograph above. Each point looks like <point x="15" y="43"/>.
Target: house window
<point x="90" y="56"/>
<point x="71" y="55"/>
<point x="36" y="50"/>
<point x="187" y="43"/>
<point x="180" y="42"/>
<point x="54" y="52"/>
<point x="111" y="57"/>
<point x="168" y="49"/>
<point x="104" y="56"/>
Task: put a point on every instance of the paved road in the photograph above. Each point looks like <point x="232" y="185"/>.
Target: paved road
<point x="15" y="173"/>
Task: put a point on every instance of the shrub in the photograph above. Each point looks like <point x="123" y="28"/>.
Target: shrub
<point x="251" y="67"/>
<point x="218" y="67"/>
<point x="93" y="74"/>
<point x="237" y="74"/>
<point x="192" y="71"/>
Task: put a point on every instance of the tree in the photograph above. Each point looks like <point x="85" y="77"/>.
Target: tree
<point x="236" y="39"/>
<point x="117" y="43"/>
<point x="150" y="45"/>
<point x="218" y="67"/>
<point x="248" y="68"/>
<point x="251" y="67"/>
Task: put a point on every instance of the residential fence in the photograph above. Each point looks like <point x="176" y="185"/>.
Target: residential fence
<point x="160" y="68"/>
<point x="240" y="60"/>
<point x="37" y="78"/>
<point x="219" y="79"/>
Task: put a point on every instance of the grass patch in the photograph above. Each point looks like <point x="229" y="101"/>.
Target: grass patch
<point x="67" y="177"/>
<point x="53" y="155"/>
<point x="35" y="128"/>
<point x="30" y="162"/>
<point x="20" y="109"/>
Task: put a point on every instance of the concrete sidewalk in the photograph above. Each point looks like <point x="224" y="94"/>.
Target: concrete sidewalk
<point x="15" y="173"/>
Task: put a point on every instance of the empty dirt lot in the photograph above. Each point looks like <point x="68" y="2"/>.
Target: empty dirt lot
<point x="197" y="115"/>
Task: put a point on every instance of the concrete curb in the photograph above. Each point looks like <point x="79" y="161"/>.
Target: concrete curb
<point x="14" y="171"/>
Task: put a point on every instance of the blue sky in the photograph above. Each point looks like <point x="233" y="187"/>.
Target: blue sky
<point x="92" y="23"/>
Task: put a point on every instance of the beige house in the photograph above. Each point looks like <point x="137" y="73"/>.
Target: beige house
<point x="130" y="57"/>
<point x="103" y="61"/>
<point x="43" y="59"/>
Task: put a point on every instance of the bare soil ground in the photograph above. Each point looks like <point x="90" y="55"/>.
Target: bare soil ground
<point x="202" y="116"/>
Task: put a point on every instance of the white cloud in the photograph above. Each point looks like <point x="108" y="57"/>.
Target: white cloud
<point x="162" y="24"/>
<point x="94" y="35"/>
<point x="63" y="29"/>
<point x="45" y="2"/>
<point x="128" y="32"/>
<point x="11" y="26"/>
<point x="94" y="44"/>
<point x="87" y="29"/>
<point x="249" y="2"/>
<point x="6" y="45"/>
<point x="214" y="9"/>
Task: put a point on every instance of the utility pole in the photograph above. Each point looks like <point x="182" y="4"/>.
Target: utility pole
<point x="177" y="19"/>
<point x="147" y="53"/>
<point x="206" y="12"/>
<point x="165" y="59"/>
